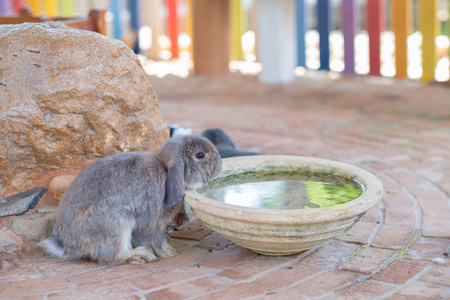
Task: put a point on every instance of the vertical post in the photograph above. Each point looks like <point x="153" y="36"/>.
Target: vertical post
<point x="135" y="21"/>
<point x="324" y="26"/>
<point x="172" y="26"/>
<point x="17" y="5"/>
<point x="236" y="29"/>
<point x="253" y="22"/>
<point x="100" y="25"/>
<point x="429" y="25"/>
<point x="350" y="27"/>
<point x="35" y="6"/>
<point x="301" y="32"/>
<point x="153" y="17"/>
<point x="98" y="4"/>
<point x="67" y="8"/>
<point x="277" y="46"/>
<point x="83" y="7"/>
<point x="211" y="37"/>
<point x="375" y="12"/>
<point x="448" y="27"/>
<point x="402" y="22"/>
<point x="117" y="8"/>
<point x="188" y="22"/>
<point x="4" y="7"/>
<point x="51" y="8"/>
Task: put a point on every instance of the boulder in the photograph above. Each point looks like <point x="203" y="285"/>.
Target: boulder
<point x="59" y="185"/>
<point x="68" y="96"/>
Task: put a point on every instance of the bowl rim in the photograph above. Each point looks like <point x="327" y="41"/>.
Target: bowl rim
<point x="373" y="191"/>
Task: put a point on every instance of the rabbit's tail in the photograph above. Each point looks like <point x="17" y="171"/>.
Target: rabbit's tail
<point x="54" y="246"/>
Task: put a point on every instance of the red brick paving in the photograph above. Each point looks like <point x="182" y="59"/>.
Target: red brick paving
<point x="420" y="290"/>
<point x="253" y="267"/>
<point x="332" y="254"/>
<point x="361" y="233"/>
<point x="400" y="271"/>
<point x="227" y="258"/>
<point x="400" y="131"/>
<point x="192" y="288"/>
<point x="325" y="283"/>
<point x="166" y="277"/>
<point x="368" y="260"/>
<point x="286" y="277"/>
<point x="364" y="290"/>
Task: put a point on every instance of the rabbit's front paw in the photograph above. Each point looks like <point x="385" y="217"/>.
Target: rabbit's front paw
<point x="141" y="255"/>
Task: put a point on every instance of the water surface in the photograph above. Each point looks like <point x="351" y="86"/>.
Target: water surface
<point x="283" y="192"/>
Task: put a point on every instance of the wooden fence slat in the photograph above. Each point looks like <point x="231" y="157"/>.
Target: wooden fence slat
<point x="402" y="26"/>
<point x="301" y="32"/>
<point x="448" y="27"/>
<point x="277" y="45"/>
<point x="324" y="26"/>
<point x="375" y="14"/>
<point x="188" y="23"/>
<point x="211" y="30"/>
<point x="135" y="21"/>
<point x="17" y="5"/>
<point x="429" y="26"/>
<point x="172" y="26"/>
<point x="350" y="27"/>
<point x="152" y="17"/>
<point x="83" y="6"/>
<point x="35" y="6"/>
<point x="51" y="8"/>
<point x="236" y="29"/>
<point x="5" y="7"/>
<point x="67" y="8"/>
<point x="117" y="8"/>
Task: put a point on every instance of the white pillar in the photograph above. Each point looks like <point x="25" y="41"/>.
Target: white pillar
<point x="276" y="40"/>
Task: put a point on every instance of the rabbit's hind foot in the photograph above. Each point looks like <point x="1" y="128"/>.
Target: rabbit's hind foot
<point x="164" y="250"/>
<point x="140" y="255"/>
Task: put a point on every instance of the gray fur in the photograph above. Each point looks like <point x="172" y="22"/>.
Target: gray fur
<point x="224" y="143"/>
<point x="117" y="209"/>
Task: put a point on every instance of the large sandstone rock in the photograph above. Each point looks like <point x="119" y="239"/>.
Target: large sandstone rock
<point x="67" y="96"/>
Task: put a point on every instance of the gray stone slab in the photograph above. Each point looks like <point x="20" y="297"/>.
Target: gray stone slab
<point x="22" y="202"/>
<point x="35" y="227"/>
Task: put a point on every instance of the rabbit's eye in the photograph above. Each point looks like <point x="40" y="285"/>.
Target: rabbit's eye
<point x="200" y="155"/>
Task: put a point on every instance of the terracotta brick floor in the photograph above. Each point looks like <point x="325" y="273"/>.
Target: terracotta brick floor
<point x="400" y="131"/>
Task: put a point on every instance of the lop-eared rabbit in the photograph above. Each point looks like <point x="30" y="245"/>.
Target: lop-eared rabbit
<point x="117" y="209"/>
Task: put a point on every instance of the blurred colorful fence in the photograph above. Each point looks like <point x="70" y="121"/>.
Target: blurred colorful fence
<point x="401" y="38"/>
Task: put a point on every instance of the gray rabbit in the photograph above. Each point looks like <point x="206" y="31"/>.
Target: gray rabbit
<point x="117" y="209"/>
<point x="224" y="144"/>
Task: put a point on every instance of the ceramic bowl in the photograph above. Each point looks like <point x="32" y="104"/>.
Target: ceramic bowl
<point x="285" y="232"/>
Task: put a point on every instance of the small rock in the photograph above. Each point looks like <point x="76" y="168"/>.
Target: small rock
<point x="59" y="185"/>
<point x="22" y="202"/>
<point x="37" y="226"/>
<point x="215" y="241"/>
<point x="10" y="241"/>
<point x="47" y="209"/>
<point x="195" y="230"/>
<point x="8" y="264"/>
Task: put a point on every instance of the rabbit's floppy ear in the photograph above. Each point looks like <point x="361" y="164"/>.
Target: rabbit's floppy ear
<point x="174" y="186"/>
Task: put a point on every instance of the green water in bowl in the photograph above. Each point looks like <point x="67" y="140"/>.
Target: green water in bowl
<point x="283" y="191"/>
